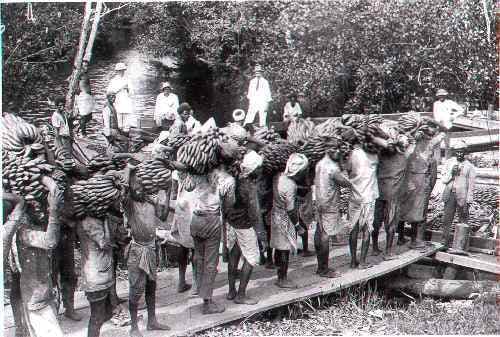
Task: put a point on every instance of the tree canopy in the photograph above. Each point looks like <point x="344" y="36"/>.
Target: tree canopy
<point x="344" y="56"/>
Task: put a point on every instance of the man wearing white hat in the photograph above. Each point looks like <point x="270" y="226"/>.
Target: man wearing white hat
<point x="459" y="177"/>
<point x="166" y="106"/>
<point x="445" y="111"/>
<point x="120" y="87"/>
<point x="259" y="97"/>
<point x="239" y="116"/>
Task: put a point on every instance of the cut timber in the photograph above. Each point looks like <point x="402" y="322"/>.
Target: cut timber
<point x="452" y="289"/>
<point x="421" y="271"/>
<point x="482" y="262"/>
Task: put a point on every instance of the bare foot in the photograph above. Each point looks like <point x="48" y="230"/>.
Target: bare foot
<point x="286" y="284"/>
<point x="354" y="264"/>
<point x="270" y="265"/>
<point x="155" y="325"/>
<point x="183" y="287"/>
<point x="231" y="294"/>
<point x="376" y="251"/>
<point x="365" y="265"/>
<point x="307" y="253"/>
<point x="245" y="300"/>
<point x="388" y="257"/>
<point x="329" y="273"/>
<point x="212" y="308"/>
<point x="135" y="333"/>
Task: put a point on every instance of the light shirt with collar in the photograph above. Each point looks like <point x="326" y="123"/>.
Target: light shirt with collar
<point x="60" y="122"/>
<point x="166" y="106"/>
<point x="362" y="169"/>
<point x="192" y="125"/>
<point x="446" y="111"/>
<point x="291" y="111"/>
<point x="259" y="90"/>
<point x="462" y="184"/>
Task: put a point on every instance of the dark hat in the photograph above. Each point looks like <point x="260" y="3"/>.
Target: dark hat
<point x="183" y="107"/>
<point x="59" y="100"/>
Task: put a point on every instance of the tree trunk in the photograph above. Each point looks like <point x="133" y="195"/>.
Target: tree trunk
<point x="452" y="289"/>
<point x="93" y="32"/>
<point x="78" y="58"/>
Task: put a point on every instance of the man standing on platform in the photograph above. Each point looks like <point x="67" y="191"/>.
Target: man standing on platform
<point x="327" y="181"/>
<point x="445" y="111"/>
<point x="459" y="177"/>
<point x="259" y="97"/>
<point x="166" y="106"/>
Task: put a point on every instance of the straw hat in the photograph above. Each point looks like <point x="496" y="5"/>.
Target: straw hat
<point x="120" y="66"/>
<point x="441" y="92"/>
<point x="258" y="68"/>
<point x="238" y="115"/>
<point x="165" y="85"/>
<point x="460" y="145"/>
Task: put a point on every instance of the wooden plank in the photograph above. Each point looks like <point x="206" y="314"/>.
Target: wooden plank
<point x="474" y="241"/>
<point x="276" y="297"/>
<point x="482" y="262"/>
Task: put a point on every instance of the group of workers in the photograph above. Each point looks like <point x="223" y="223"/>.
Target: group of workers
<point x="257" y="218"/>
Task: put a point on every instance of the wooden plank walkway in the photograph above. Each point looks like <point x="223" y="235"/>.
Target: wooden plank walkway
<point x="479" y="261"/>
<point x="183" y="312"/>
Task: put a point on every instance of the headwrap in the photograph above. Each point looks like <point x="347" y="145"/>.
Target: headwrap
<point x="460" y="145"/>
<point x="235" y="131"/>
<point x="296" y="163"/>
<point x="251" y="162"/>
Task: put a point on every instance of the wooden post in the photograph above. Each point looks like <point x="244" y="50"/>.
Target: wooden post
<point x="93" y="32"/>
<point x="77" y="64"/>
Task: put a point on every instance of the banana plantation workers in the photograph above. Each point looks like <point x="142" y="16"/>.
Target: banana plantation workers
<point x="14" y="208"/>
<point x="97" y="271"/>
<point x="292" y="108"/>
<point x="259" y="97"/>
<point x="391" y="182"/>
<point x="32" y="252"/>
<point x="179" y="126"/>
<point x="120" y="87"/>
<point x="245" y="220"/>
<point x="459" y="177"/>
<point x="327" y="181"/>
<point x="84" y="102"/>
<point x="140" y="211"/>
<point x="417" y="182"/>
<point x="61" y="123"/>
<point x="166" y="106"/>
<point x="284" y="215"/>
<point x="211" y="206"/>
<point x="362" y="168"/>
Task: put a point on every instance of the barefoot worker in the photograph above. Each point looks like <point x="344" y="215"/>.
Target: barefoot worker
<point x="391" y="182"/>
<point x="327" y="181"/>
<point x="284" y="215"/>
<point x="244" y="221"/>
<point x="140" y="211"/>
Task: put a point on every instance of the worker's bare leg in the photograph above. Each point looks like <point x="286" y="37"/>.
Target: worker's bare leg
<point x="365" y="245"/>
<point x="322" y="246"/>
<point x="353" y="245"/>
<point x="232" y="270"/>
<point x="183" y="262"/>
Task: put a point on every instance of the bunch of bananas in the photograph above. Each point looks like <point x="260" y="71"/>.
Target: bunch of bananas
<point x="299" y="130"/>
<point x="328" y="128"/>
<point x="201" y="153"/>
<point x="102" y="163"/>
<point x="23" y="175"/>
<point x="275" y="156"/>
<point x="486" y="195"/>
<point x="176" y="142"/>
<point x="153" y="175"/>
<point x="266" y="135"/>
<point x="18" y="136"/>
<point x="409" y="121"/>
<point x="316" y="146"/>
<point x="94" y="196"/>
<point x="482" y="161"/>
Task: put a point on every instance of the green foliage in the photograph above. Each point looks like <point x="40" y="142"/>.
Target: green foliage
<point x="344" y="56"/>
<point x="34" y="49"/>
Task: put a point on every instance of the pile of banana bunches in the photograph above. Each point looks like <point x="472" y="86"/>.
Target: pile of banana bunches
<point x="267" y="135"/>
<point x="153" y="175"/>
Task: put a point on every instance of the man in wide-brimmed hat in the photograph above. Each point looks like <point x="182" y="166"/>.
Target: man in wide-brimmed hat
<point x="119" y="86"/>
<point x="259" y="97"/>
<point x="445" y="111"/>
<point x="166" y="106"/>
<point x="458" y="176"/>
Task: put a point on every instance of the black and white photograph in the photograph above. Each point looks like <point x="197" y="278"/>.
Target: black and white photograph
<point x="250" y="168"/>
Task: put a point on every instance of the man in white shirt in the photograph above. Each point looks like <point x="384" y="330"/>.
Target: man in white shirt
<point x="445" y="111"/>
<point x="292" y="108"/>
<point x="166" y="105"/>
<point x="259" y="97"/>
<point x="61" y="124"/>
<point x="119" y="86"/>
